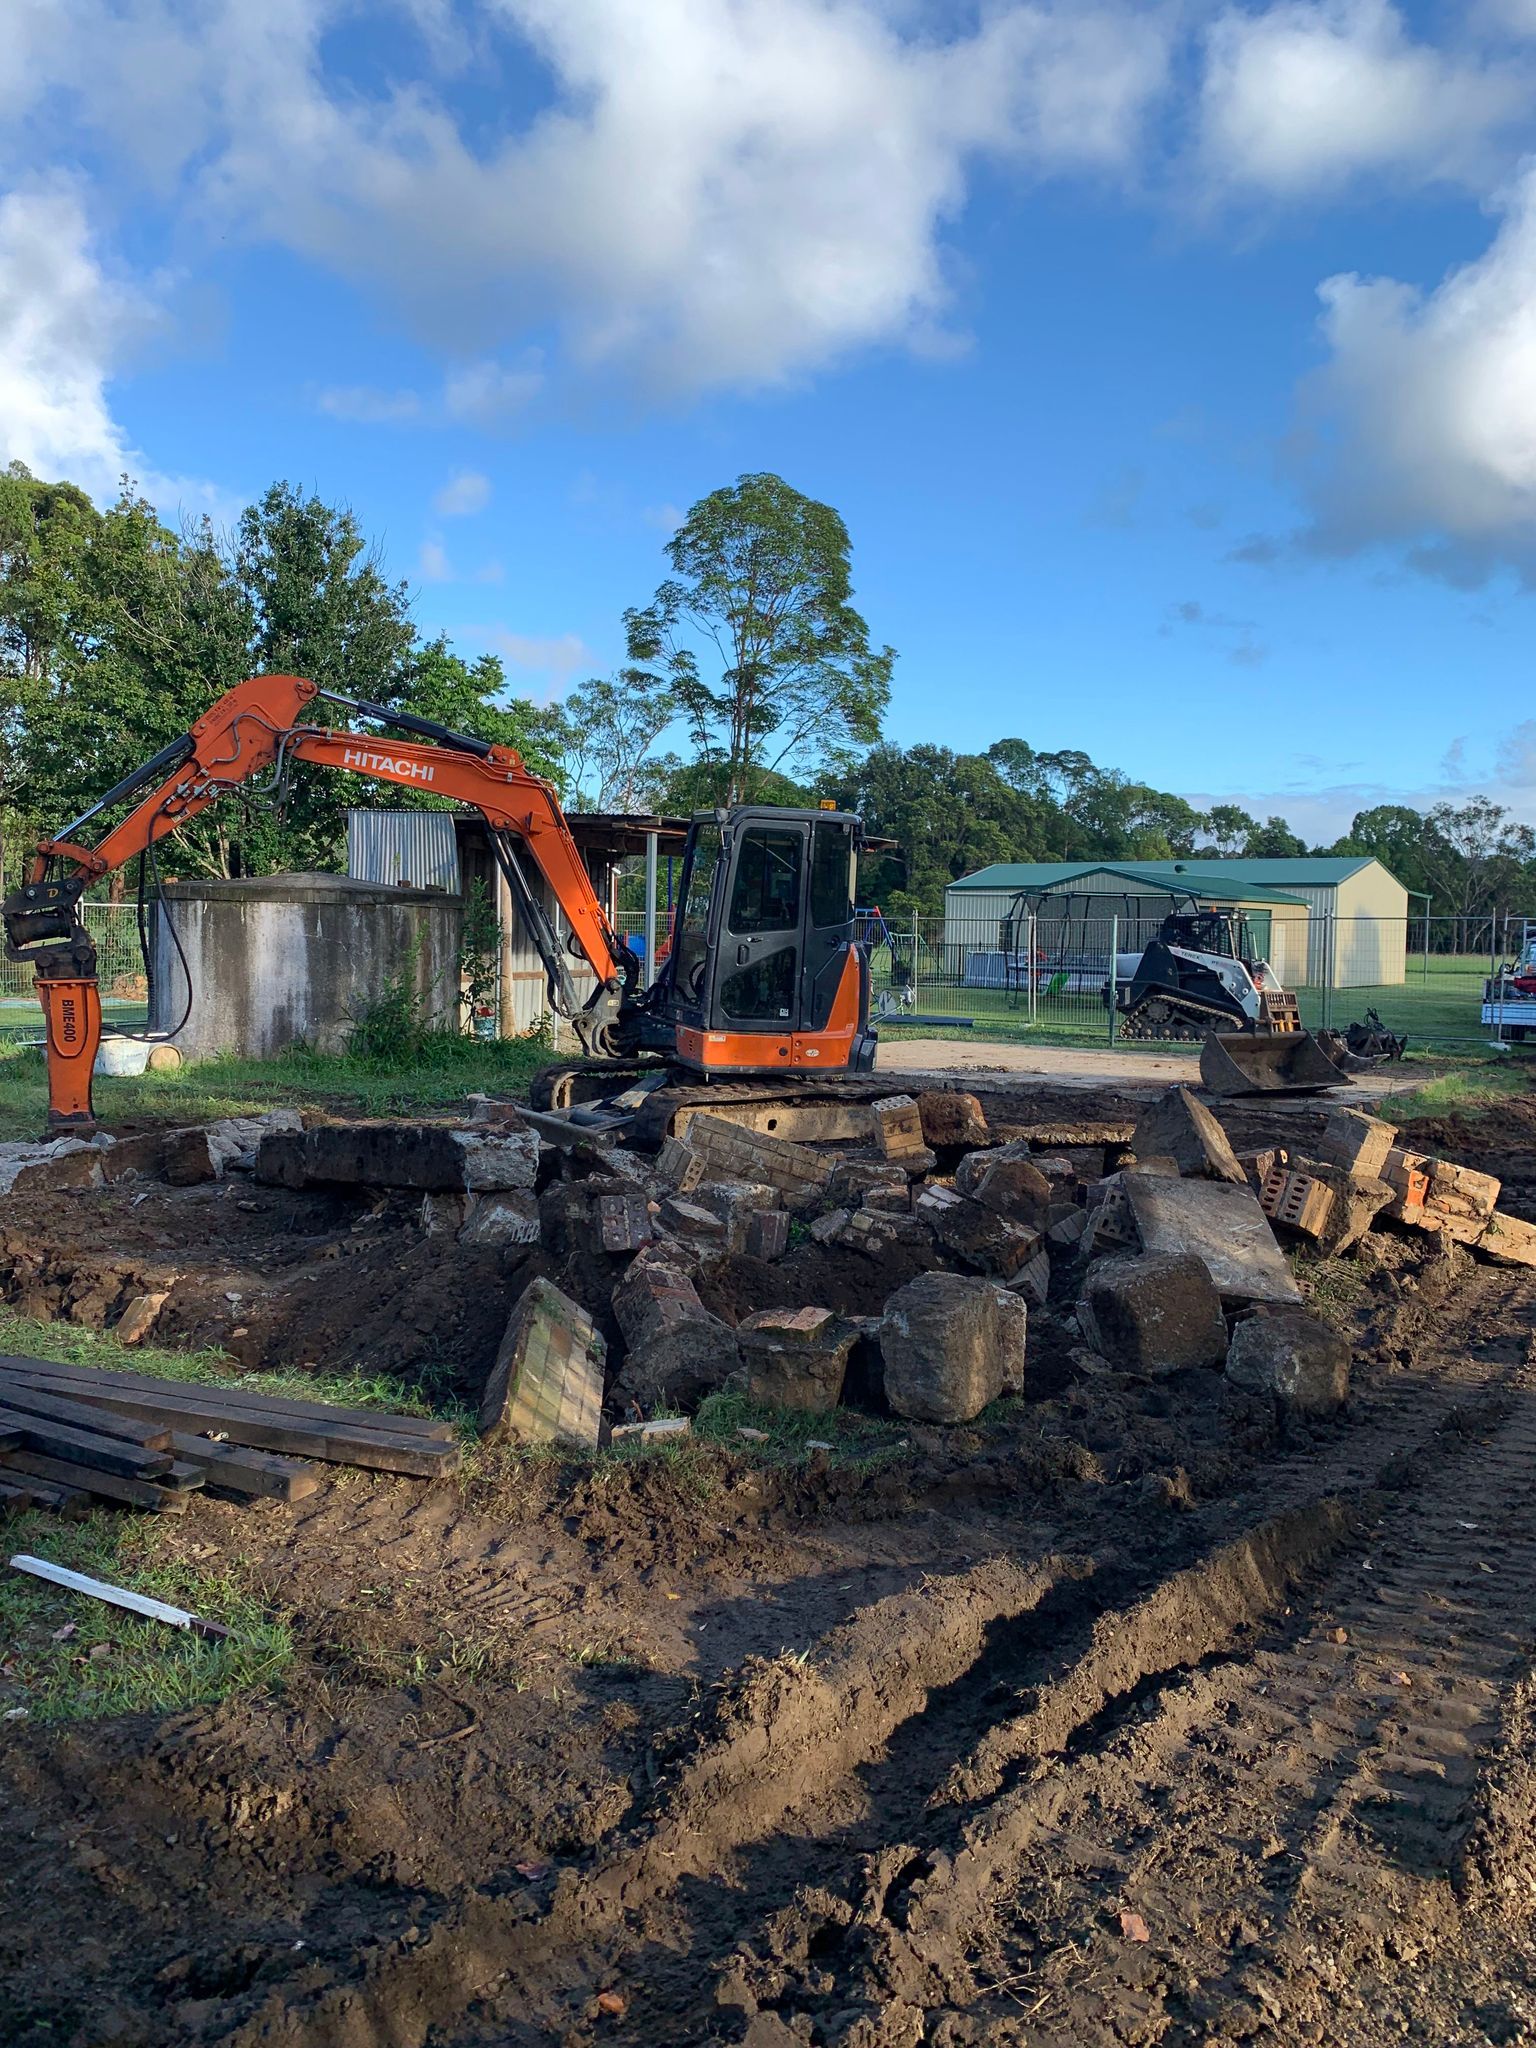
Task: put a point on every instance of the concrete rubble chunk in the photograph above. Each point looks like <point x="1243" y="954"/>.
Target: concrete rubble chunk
<point x="974" y="1234"/>
<point x="431" y="1157"/>
<point x="1110" y="1224"/>
<point x="875" y="1231"/>
<point x="949" y="1117"/>
<point x="949" y="1345"/>
<point x="1067" y="1228"/>
<point x="736" y="1202"/>
<point x="685" y="1218"/>
<point x="188" y="1158"/>
<point x="1260" y="1164"/>
<point x="1033" y="1279"/>
<point x="444" y="1215"/>
<point x="1008" y="1182"/>
<point x="139" y="1317"/>
<point x="796" y="1358"/>
<point x="898" y="1132"/>
<point x="547" y="1383"/>
<point x="853" y="1181"/>
<point x="511" y="1217"/>
<point x="1509" y="1241"/>
<point x="1223" y="1225"/>
<point x="1300" y="1361"/>
<point x="44" y="1169"/>
<point x="730" y="1153"/>
<point x="826" y="1228"/>
<point x="1181" y="1128"/>
<point x="1013" y="1336"/>
<point x="676" y="1351"/>
<point x="892" y="1201"/>
<point x="135" y="1158"/>
<point x="1153" y="1312"/>
<point x="1357" y="1142"/>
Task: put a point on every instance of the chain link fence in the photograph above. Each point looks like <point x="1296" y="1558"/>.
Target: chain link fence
<point x="124" y="989"/>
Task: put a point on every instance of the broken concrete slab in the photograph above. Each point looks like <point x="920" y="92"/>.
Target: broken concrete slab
<point x="796" y="1358"/>
<point x="1181" y="1128"/>
<point x="1356" y="1142"/>
<point x="444" y="1215"/>
<point x="949" y="1344"/>
<point x="547" y="1383"/>
<point x="432" y="1157"/>
<point x="139" y="1317"/>
<point x="188" y="1158"/>
<point x="1153" y="1312"/>
<point x="731" y="1153"/>
<point x="1302" y="1362"/>
<point x="49" y="1168"/>
<point x="511" y="1217"/>
<point x="1222" y="1224"/>
<point x="950" y="1118"/>
<point x="135" y="1158"/>
<point x="1509" y="1241"/>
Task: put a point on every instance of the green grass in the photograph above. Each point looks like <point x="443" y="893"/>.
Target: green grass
<point x="66" y="1657"/>
<point x="1471" y="1089"/>
<point x="854" y="1439"/>
<point x="72" y="1345"/>
<point x="447" y="1069"/>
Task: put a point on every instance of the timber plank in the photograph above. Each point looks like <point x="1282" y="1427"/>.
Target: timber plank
<point x="239" y="1469"/>
<point x="19" y="1397"/>
<point x="82" y="1481"/>
<point x="273" y="1404"/>
<point x="84" y="1447"/>
<point x="305" y="1440"/>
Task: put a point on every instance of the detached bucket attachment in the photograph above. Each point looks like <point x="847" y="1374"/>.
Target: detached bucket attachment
<point x="1266" y="1063"/>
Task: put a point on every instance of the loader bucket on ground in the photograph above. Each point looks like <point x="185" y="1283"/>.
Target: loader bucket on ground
<point x="1266" y="1063"/>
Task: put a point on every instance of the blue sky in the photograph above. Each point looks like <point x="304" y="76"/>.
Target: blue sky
<point x="1174" y="365"/>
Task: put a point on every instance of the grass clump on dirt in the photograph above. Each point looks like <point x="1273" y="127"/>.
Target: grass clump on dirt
<point x="382" y="1076"/>
<point x="71" y="1344"/>
<point x="787" y="1435"/>
<point x="1471" y="1089"/>
<point x="67" y="1657"/>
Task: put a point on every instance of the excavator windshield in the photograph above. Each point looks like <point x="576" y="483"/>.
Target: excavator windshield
<point x="690" y="943"/>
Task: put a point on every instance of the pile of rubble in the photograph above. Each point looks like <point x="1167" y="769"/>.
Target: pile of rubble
<point x="1148" y="1250"/>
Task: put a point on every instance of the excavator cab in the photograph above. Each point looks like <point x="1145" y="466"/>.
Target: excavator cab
<point x="765" y="972"/>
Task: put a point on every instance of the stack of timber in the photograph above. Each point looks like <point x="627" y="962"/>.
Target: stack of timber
<point x="72" y="1436"/>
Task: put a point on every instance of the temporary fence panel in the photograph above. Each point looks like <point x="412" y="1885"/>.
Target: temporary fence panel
<point x="120" y="968"/>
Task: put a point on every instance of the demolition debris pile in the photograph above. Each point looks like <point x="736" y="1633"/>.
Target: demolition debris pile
<point x="905" y="1255"/>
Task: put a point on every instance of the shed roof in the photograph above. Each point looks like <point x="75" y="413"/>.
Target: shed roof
<point x="1208" y="879"/>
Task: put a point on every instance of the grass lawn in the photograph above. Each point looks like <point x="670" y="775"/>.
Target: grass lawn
<point x="443" y="1070"/>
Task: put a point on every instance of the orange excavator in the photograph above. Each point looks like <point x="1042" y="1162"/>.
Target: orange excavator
<point x="764" y="976"/>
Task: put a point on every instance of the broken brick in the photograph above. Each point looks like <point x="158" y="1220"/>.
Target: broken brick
<point x="796" y="1358"/>
<point x="730" y="1153"/>
<point x="898" y="1129"/>
<point x="949" y="1118"/>
<point x="1358" y="1143"/>
<point x="138" y="1318"/>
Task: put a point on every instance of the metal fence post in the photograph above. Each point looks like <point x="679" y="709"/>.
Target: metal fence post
<point x="1114" y="966"/>
<point x="1330" y="967"/>
<point x="650" y="908"/>
<point x="914" y="959"/>
<point x="1495" y="988"/>
<point x="1029" y="968"/>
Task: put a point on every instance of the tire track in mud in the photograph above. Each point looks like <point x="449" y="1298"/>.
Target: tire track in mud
<point x="1103" y="1749"/>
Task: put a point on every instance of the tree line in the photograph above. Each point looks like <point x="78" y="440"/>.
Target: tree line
<point x="749" y="676"/>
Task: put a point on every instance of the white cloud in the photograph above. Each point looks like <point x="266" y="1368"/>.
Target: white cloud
<point x="1423" y="424"/>
<point x="1309" y="93"/>
<point x="467" y="493"/>
<point x="488" y="393"/>
<point x="64" y="325"/>
<point x="558" y="656"/>
<point x="718" y="191"/>
<point x="368" y="405"/>
<point x="433" y="565"/>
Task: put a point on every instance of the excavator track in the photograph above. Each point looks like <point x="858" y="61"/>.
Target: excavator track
<point x="558" y="1089"/>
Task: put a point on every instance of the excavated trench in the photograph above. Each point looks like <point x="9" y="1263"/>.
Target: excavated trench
<point x="1128" y="1717"/>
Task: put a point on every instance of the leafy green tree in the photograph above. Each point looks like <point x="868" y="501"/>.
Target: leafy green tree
<point x="1229" y="829"/>
<point x="610" y="727"/>
<point x="756" y="637"/>
<point x="471" y="697"/>
<point x="1273" y="840"/>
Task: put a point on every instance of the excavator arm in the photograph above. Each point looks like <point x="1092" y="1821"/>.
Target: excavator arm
<point x="256" y="727"/>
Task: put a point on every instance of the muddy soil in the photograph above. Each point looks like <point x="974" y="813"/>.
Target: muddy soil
<point x="1129" y="1717"/>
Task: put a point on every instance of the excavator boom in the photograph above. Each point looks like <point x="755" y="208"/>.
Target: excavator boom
<point x="258" y="727"/>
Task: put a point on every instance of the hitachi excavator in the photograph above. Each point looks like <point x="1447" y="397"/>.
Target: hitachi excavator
<point x="765" y="987"/>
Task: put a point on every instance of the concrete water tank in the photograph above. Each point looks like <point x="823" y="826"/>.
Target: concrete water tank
<point x="279" y="960"/>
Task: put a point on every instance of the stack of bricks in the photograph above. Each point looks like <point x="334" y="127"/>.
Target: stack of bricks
<point x="1435" y="1194"/>
<point x="725" y="1152"/>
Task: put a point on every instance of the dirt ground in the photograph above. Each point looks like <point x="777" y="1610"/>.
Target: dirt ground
<point x="1126" y="1716"/>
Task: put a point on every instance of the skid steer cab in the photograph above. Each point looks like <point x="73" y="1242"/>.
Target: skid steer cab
<point x="1201" y="973"/>
<point x="765" y="971"/>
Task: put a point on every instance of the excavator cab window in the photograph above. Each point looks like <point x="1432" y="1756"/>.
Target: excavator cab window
<point x="760" y="947"/>
<point x="690" y="941"/>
